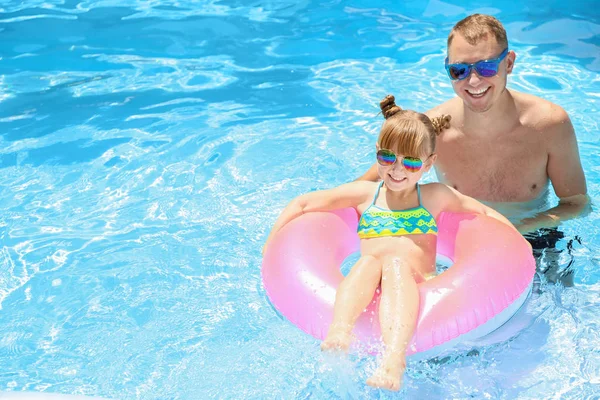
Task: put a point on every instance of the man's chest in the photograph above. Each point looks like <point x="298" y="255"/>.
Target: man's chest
<point x="505" y="169"/>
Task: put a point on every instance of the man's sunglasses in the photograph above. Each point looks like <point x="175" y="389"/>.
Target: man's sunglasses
<point x="387" y="158"/>
<point x="485" y="68"/>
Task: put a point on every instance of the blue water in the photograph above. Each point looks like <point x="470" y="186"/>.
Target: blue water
<point x="146" y="147"/>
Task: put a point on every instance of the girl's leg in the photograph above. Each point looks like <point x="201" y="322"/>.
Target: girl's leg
<point x="398" y="311"/>
<point x="353" y="295"/>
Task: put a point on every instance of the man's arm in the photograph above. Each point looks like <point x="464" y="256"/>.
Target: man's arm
<point x="370" y="175"/>
<point x="565" y="173"/>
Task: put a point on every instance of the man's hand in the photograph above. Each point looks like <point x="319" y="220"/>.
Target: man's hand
<point x="567" y="208"/>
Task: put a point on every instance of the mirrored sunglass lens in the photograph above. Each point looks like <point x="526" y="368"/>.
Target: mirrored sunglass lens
<point x="386" y="158"/>
<point x="459" y="71"/>
<point x="412" y="164"/>
<point x="487" y="69"/>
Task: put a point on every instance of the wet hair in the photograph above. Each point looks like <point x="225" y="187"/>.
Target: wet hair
<point x="408" y="132"/>
<point x="477" y="27"/>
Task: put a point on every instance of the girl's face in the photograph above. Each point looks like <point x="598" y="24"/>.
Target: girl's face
<point x="401" y="172"/>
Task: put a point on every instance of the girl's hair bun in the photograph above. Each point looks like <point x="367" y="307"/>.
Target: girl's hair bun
<point x="389" y="107"/>
<point x="441" y="123"/>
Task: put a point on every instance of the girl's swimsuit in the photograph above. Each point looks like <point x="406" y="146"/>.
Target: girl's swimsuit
<point x="379" y="222"/>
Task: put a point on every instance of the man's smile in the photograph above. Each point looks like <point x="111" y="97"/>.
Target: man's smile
<point x="477" y="93"/>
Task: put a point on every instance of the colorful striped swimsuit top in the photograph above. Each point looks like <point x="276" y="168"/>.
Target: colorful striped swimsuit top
<point x="379" y="222"/>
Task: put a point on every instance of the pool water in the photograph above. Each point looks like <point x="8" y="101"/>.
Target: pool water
<point x="146" y="149"/>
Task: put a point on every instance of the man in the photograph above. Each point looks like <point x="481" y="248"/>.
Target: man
<point x="504" y="146"/>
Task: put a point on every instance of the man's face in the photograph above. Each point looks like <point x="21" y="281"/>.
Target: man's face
<point x="477" y="92"/>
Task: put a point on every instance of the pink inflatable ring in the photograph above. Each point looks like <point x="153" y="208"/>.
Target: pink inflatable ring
<point x="489" y="280"/>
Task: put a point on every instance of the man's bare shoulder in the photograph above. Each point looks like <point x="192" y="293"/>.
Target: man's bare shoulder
<point x="539" y="113"/>
<point x="450" y="107"/>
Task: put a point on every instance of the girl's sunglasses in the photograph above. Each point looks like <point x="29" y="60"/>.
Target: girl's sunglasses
<point x="485" y="68"/>
<point x="387" y="158"/>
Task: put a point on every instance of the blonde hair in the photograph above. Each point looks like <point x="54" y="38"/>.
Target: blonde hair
<point x="477" y="27"/>
<point x="408" y="132"/>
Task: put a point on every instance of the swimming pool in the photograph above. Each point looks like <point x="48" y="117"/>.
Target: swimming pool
<point x="147" y="147"/>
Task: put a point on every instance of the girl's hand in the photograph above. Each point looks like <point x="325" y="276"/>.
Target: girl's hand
<point x="347" y="195"/>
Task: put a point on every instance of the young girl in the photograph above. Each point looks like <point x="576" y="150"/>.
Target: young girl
<point x="398" y="232"/>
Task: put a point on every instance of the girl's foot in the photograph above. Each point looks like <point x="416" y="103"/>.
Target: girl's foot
<point x="338" y="338"/>
<point x="389" y="374"/>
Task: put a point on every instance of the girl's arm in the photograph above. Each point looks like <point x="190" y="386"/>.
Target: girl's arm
<point x="347" y="195"/>
<point x="454" y="201"/>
